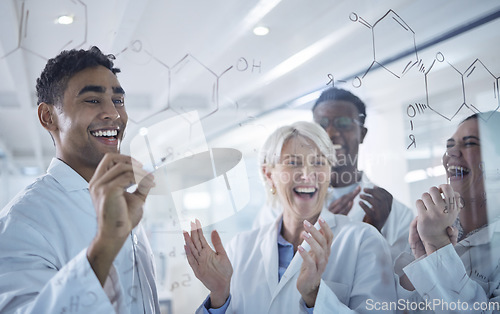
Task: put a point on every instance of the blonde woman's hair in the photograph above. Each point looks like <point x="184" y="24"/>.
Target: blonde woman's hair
<point x="270" y="152"/>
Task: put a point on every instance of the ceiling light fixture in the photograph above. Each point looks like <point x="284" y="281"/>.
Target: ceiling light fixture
<point x="65" y="19"/>
<point x="261" y="30"/>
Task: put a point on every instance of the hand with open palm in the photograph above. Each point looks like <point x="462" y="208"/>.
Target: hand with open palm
<point x="211" y="267"/>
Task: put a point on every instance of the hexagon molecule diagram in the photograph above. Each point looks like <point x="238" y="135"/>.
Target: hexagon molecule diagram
<point x="62" y="37"/>
<point x="194" y="86"/>
<point x="481" y="88"/>
<point x="390" y="35"/>
<point x="442" y="75"/>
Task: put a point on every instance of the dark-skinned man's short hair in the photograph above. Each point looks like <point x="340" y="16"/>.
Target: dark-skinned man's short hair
<point x="334" y="93"/>
<point x="51" y="84"/>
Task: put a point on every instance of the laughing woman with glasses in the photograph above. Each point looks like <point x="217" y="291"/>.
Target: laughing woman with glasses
<point x="301" y="262"/>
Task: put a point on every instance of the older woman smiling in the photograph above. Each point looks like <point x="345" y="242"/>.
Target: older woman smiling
<point x="341" y="265"/>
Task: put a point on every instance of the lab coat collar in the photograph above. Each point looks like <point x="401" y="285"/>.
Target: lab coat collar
<point x="329" y="218"/>
<point x="269" y="251"/>
<point x="66" y="176"/>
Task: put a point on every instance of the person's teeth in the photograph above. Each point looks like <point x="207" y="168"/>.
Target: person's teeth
<point x="457" y="169"/>
<point x="305" y="190"/>
<point x="105" y="133"/>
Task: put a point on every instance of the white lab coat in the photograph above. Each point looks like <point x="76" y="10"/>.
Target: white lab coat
<point x="395" y="230"/>
<point x="44" y="234"/>
<point x="458" y="276"/>
<point x="358" y="269"/>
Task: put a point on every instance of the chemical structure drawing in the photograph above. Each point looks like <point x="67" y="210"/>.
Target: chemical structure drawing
<point x="478" y="98"/>
<point x="181" y="98"/>
<point x="441" y="71"/>
<point x="332" y="80"/>
<point x="412" y="111"/>
<point x="476" y="88"/>
<point x="188" y="84"/>
<point x="183" y="163"/>
<point x="390" y="32"/>
<point x="41" y="20"/>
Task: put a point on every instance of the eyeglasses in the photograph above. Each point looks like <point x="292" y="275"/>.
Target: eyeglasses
<point x="340" y="123"/>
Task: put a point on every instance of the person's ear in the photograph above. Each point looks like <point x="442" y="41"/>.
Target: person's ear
<point x="363" y="134"/>
<point x="47" y="116"/>
<point x="263" y="170"/>
<point x="268" y="175"/>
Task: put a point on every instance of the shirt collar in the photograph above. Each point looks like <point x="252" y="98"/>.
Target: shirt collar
<point x="281" y="240"/>
<point x="66" y="176"/>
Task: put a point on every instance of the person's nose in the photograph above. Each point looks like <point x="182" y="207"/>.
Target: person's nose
<point x="453" y="151"/>
<point x="109" y="111"/>
<point x="308" y="173"/>
<point x="332" y="131"/>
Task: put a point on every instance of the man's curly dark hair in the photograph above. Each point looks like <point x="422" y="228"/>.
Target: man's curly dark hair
<point x="334" y="93"/>
<point x="51" y="84"/>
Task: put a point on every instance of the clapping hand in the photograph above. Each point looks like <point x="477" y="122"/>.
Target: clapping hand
<point x="437" y="211"/>
<point x="315" y="261"/>
<point x="381" y="204"/>
<point x="343" y="205"/>
<point x="211" y="267"/>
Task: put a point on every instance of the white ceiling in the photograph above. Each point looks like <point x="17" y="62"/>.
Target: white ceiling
<point x="176" y="55"/>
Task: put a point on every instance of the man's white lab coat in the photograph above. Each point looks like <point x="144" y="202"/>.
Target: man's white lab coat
<point x="44" y="234"/>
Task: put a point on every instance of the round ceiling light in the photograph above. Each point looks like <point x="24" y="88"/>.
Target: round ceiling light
<point x="261" y="30"/>
<point x="65" y="19"/>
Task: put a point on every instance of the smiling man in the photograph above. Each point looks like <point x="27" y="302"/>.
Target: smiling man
<point x="71" y="241"/>
<point x="342" y="114"/>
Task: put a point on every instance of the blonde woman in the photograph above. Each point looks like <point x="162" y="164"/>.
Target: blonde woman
<point x="341" y="266"/>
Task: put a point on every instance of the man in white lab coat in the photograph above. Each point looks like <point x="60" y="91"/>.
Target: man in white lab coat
<point x="71" y="241"/>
